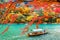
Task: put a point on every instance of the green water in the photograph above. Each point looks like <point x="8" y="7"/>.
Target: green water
<point x="14" y="32"/>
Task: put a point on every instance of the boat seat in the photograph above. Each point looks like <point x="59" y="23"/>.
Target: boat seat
<point x="38" y="30"/>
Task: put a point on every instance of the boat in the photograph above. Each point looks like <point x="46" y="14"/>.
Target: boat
<point x="37" y="32"/>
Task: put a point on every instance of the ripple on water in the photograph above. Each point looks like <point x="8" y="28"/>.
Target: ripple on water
<point x="14" y="33"/>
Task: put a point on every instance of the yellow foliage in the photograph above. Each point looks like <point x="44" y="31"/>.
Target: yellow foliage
<point x="35" y="14"/>
<point x="45" y="13"/>
<point x="46" y="19"/>
<point x="29" y="18"/>
<point x="20" y="14"/>
<point x="8" y="16"/>
<point x="26" y="9"/>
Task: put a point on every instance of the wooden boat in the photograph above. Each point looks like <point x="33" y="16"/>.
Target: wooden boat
<point x="37" y="33"/>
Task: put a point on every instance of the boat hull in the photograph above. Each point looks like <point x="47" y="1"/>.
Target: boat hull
<point x="36" y="33"/>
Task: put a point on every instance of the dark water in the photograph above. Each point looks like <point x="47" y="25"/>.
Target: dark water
<point x="14" y="31"/>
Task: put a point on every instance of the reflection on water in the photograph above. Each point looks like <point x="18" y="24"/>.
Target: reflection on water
<point x="15" y="29"/>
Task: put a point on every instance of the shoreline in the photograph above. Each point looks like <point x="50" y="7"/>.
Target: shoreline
<point x="34" y="23"/>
